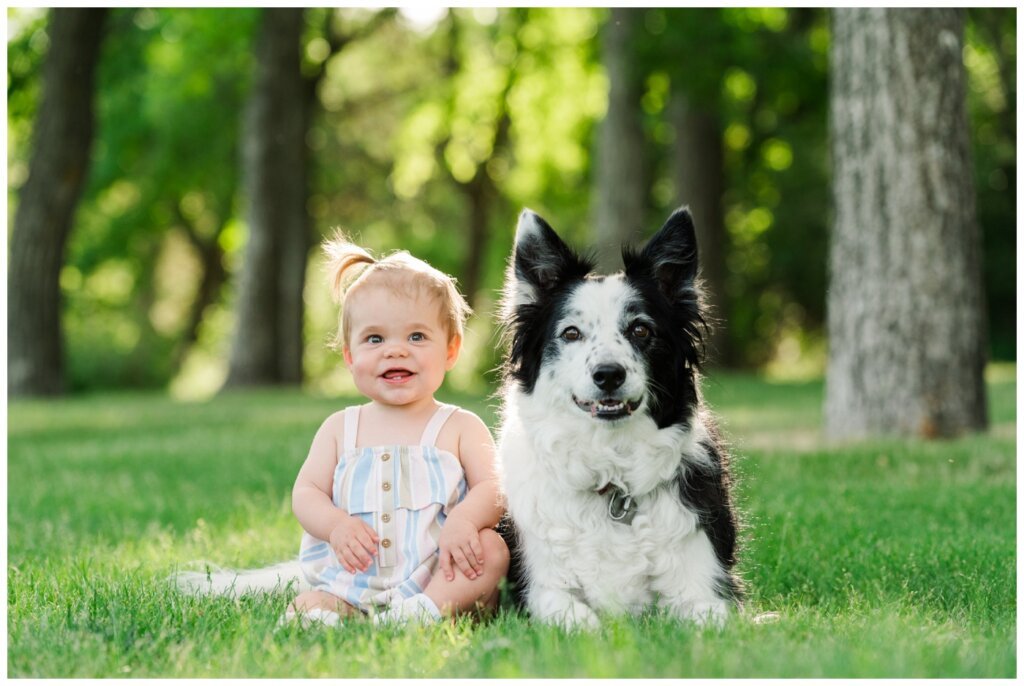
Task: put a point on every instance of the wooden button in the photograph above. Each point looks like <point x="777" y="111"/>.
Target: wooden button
<point x="385" y="518"/>
<point x="385" y="457"/>
<point x="386" y="485"/>
<point x="386" y="543"/>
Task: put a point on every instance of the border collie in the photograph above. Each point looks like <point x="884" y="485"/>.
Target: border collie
<point x="617" y="482"/>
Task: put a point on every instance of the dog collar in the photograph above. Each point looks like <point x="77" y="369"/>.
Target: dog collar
<point x="621" y="506"/>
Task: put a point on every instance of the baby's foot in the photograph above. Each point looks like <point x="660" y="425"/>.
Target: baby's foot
<point x="417" y="609"/>
<point x="309" y="618"/>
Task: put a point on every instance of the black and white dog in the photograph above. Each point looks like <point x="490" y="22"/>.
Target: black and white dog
<point x="617" y="483"/>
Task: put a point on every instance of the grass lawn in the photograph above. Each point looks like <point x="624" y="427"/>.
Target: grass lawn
<point x="888" y="559"/>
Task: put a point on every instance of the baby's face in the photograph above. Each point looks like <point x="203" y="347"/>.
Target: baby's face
<point x="398" y="350"/>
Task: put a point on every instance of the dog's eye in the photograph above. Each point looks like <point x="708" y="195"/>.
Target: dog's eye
<point x="571" y="334"/>
<point x="640" y="331"/>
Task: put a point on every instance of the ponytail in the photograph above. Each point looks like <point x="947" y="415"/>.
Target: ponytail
<point x="342" y="257"/>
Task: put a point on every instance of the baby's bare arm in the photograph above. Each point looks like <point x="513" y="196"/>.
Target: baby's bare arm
<point x="352" y="540"/>
<point x="483" y="505"/>
<point x="311" y="494"/>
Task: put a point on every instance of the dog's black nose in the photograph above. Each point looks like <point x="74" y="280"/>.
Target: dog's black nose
<point x="608" y="377"/>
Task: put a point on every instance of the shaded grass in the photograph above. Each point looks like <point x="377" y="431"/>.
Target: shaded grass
<point x="888" y="558"/>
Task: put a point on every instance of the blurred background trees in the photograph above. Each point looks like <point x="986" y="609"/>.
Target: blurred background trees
<point x="429" y="131"/>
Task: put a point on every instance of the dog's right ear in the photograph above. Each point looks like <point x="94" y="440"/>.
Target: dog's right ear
<point x="540" y="261"/>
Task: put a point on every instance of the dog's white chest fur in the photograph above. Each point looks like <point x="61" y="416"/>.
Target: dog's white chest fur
<point x="552" y="470"/>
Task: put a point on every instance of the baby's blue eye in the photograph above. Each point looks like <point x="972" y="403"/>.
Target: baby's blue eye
<point x="374" y="338"/>
<point x="417" y="337"/>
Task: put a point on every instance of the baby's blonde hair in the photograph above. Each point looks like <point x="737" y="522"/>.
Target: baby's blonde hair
<point x="351" y="268"/>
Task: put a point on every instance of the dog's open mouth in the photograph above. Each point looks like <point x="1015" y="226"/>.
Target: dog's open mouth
<point x="608" y="408"/>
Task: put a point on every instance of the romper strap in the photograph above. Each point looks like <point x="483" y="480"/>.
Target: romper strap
<point x="351" y="427"/>
<point x="433" y="428"/>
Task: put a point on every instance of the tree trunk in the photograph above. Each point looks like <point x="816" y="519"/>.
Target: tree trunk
<point x="906" y="320"/>
<point x="622" y="180"/>
<point x="698" y="169"/>
<point x="211" y="259"/>
<point x="478" y="193"/>
<point x="57" y="170"/>
<point x="296" y="239"/>
<point x="267" y="345"/>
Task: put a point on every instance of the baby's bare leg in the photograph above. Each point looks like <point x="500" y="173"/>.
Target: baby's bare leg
<point x="321" y="600"/>
<point x="466" y="595"/>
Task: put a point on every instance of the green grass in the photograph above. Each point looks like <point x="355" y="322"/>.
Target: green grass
<point x="885" y="559"/>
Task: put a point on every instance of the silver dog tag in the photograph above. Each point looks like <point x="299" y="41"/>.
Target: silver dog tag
<point x="621" y="507"/>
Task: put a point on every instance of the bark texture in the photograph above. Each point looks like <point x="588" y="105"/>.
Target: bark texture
<point x="621" y="198"/>
<point x="906" y="319"/>
<point x="267" y="344"/>
<point x="697" y="167"/>
<point x="57" y="170"/>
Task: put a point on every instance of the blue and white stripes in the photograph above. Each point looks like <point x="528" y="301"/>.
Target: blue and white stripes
<point x="404" y="493"/>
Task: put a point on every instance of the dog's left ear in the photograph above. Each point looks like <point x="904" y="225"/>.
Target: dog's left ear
<point x="670" y="256"/>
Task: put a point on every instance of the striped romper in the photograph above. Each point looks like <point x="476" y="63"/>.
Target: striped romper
<point x="404" y="492"/>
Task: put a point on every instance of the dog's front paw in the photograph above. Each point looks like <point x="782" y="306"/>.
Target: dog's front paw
<point x="579" y="616"/>
<point x="562" y="608"/>
<point x="702" y="612"/>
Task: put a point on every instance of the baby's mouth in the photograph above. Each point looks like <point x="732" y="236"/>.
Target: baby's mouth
<point x="397" y="375"/>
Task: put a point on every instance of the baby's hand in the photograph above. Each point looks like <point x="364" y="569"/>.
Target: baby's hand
<point x="460" y="540"/>
<point x="355" y="544"/>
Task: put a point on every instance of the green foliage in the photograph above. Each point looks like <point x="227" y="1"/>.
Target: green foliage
<point x="991" y="59"/>
<point x="170" y="87"/>
<point x="888" y="559"/>
<point x="26" y="50"/>
<point x="499" y="104"/>
<point x="413" y="133"/>
<point x="762" y="73"/>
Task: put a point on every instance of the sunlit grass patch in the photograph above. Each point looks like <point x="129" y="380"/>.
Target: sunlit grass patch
<point x="880" y="559"/>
